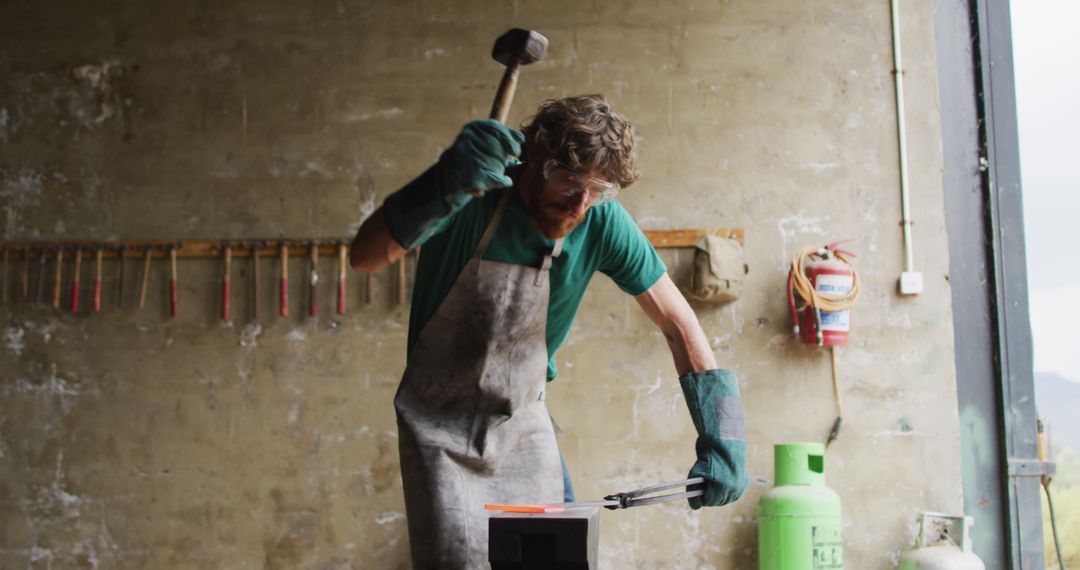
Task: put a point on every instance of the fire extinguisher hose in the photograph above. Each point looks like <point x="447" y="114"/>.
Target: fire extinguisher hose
<point x="823" y="301"/>
<point x="818" y="301"/>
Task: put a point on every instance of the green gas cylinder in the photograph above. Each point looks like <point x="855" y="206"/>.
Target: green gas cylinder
<point x="799" y="520"/>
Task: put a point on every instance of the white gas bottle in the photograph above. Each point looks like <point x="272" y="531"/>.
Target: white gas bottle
<point x="944" y="543"/>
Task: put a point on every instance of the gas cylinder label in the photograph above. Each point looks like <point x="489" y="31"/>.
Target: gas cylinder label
<point x="828" y="548"/>
<point x="830" y="284"/>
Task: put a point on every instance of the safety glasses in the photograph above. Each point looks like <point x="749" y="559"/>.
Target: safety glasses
<point x="570" y="184"/>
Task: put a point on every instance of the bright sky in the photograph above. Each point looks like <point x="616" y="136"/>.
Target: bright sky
<point x="1047" y="58"/>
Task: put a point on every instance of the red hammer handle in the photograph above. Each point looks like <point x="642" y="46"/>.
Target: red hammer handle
<point x="172" y="297"/>
<point x="75" y="295"/>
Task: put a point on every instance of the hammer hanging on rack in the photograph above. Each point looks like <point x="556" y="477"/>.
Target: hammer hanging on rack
<point x="145" y="277"/>
<point x="283" y="308"/>
<point x="26" y="272"/>
<point x="225" y="292"/>
<point x="313" y="286"/>
<point x="5" y="275"/>
<point x="40" y="294"/>
<point x="172" y="281"/>
<point x="342" y="254"/>
<point x="56" y="280"/>
<point x="255" y="282"/>
<point x="121" y="254"/>
<point x="97" y="278"/>
<point x="75" y="281"/>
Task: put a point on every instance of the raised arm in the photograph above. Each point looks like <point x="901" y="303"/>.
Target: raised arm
<point x="373" y="248"/>
<point x="475" y="163"/>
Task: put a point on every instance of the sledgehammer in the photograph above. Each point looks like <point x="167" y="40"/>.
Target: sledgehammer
<point x="513" y="49"/>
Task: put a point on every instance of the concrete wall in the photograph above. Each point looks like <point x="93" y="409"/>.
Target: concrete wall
<point x="128" y="440"/>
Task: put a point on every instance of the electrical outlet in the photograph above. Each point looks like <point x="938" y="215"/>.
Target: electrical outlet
<point x="911" y="283"/>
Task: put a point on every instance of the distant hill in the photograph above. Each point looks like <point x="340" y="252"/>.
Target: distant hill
<point x="1058" y="402"/>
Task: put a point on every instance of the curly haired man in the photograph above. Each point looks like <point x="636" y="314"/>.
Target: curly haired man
<point x="514" y="225"/>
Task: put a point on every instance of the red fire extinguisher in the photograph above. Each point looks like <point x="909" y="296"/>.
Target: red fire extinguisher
<point x="822" y="289"/>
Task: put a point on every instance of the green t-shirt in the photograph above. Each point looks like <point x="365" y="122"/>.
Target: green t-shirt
<point x="608" y="241"/>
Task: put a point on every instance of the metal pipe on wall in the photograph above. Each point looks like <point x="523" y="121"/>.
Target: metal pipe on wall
<point x="910" y="280"/>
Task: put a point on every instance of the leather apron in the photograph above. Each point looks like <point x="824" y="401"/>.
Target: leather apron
<point x="472" y="423"/>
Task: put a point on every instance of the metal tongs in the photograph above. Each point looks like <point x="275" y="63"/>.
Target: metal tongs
<point x="639" y="498"/>
<point x="635" y="498"/>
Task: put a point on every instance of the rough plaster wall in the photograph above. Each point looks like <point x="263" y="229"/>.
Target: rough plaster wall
<point x="131" y="441"/>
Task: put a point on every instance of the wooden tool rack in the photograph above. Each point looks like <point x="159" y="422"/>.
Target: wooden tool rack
<point x="22" y="258"/>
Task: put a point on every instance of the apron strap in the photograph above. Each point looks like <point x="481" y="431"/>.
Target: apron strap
<point x="546" y="266"/>
<point x="493" y="225"/>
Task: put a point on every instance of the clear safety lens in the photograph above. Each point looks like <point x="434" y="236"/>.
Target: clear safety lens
<point x="568" y="183"/>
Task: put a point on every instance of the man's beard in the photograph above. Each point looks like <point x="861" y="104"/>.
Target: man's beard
<point x="550" y="217"/>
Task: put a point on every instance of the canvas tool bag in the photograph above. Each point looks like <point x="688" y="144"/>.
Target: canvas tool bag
<point x="719" y="270"/>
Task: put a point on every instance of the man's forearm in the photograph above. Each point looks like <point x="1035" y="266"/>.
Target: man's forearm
<point x="689" y="347"/>
<point x="373" y="248"/>
<point x="667" y="307"/>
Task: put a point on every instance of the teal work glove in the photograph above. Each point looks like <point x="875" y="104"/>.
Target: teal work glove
<point x="717" y="412"/>
<point x="477" y="161"/>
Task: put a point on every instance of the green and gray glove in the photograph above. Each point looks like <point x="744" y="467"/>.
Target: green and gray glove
<point x="717" y="412"/>
<point x="476" y="162"/>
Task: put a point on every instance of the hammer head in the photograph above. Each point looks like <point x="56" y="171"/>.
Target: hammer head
<point x="525" y="46"/>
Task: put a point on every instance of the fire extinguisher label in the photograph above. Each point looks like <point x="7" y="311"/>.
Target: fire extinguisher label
<point x="832" y="284"/>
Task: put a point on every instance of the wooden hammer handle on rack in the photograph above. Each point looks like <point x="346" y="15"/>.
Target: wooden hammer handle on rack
<point x="75" y="281"/>
<point x="98" y="254"/>
<point x="173" y="301"/>
<point x="313" y="280"/>
<point x="343" y="252"/>
<point x="283" y="308"/>
<point x="226" y="286"/>
<point x="145" y="277"/>
<point x="56" y="278"/>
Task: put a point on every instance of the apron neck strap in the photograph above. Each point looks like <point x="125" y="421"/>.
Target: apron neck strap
<point x="493" y="224"/>
<point x="557" y="248"/>
<point x="546" y="266"/>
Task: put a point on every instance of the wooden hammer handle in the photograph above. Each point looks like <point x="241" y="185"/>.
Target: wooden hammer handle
<point x="56" y="280"/>
<point x="500" y="108"/>
<point x="75" y="282"/>
<point x="173" y="294"/>
<point x="283" y="297"/>
<point x="97" y="280"/>
<point x="342" y="253"/>
<point x="226" y="287"/>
